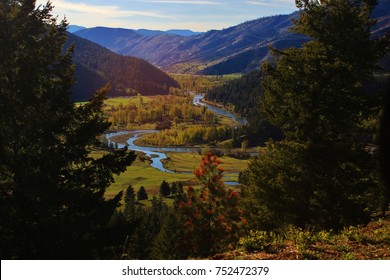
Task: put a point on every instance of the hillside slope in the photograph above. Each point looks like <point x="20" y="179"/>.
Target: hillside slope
<point x="96" y="66"/>
<point x="370" y="242"/>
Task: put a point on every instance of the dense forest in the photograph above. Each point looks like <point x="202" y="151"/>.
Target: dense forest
<point x="242" y="93"/>
<point x="243" y="97"/>
<point x="319" y="182"/>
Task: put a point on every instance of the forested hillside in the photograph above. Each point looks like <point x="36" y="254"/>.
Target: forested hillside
<point x="242" y="93"/>
<point x="96" y="66"/>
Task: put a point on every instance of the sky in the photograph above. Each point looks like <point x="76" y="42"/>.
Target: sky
<point x="196" y="15"/>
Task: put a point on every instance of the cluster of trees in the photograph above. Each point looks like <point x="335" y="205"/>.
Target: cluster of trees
<point x="167" y="189"/>
<point x="249" y="90"/>
<point x="201" y="222"/>
<point x="200" y="83"/>
<point x="191" y="135"/>
<point x="243" y="95"/>
<point x="163" y="111"/>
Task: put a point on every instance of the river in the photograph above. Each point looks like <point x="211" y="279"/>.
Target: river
<point x="157" y="154"/>
<point x="220" y="111"/>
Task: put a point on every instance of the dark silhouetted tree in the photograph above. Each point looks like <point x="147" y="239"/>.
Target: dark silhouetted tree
<point x="141" y="241"/>
<point x="165" y="189"/>
<point x="141" y="194"/>
<point x="52" y="191"/>
<point x="321" y="175"/>
<point x="130" y="203"/>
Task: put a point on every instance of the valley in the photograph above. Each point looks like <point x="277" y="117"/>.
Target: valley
<point x="173" y="160"/>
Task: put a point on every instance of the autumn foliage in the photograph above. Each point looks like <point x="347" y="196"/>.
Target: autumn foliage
<point x="212" y="218"/>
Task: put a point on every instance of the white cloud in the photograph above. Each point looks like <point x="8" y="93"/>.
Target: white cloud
<point x="103" y="11"/>
<point x="273" y="3"/>
<point x="191" y="2"/>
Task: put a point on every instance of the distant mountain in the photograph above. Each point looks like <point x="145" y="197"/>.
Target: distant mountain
<point x="96" y="66"/>
<point x="180" y="32"/>
<point x="111" y="38"/>
<point x="74" y="28"/>
<point x="238" y="49"/>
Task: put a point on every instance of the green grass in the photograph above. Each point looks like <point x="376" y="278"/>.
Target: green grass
<point x="115" y="101"/>
<point x="188" y="162"/>
<point x="141" y="174"/>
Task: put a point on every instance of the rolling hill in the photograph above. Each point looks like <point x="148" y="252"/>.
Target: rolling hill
<point x="96" y="66"/>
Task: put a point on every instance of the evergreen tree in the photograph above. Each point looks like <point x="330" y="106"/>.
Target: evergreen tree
<point x="212" y="219"/>
<point x="51" y="202"/>
<point x="141" y="194"/>
<point x="141" y="241"/>
<point x="165" y="189"/>
<point x="174" y="188"/>
<point x="168" y="244"/>
<point x="320" y="175"/>
<point x="130" y="203"/>
<point x="384" y="142"/>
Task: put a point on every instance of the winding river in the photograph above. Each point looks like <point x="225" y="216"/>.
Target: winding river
<point x="157" y="154"/>
<point x="220" y="111"/>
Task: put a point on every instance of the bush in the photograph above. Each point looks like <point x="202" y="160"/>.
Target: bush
<point x="261" y="240"/>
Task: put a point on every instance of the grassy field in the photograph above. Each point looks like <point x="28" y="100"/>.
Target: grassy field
<point x="141" y="174"/>
<point x="116" y="101"/>
<point x="188" y="162"/>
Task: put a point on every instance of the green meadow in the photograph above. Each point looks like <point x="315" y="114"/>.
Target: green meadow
<point x="140" y="173"/>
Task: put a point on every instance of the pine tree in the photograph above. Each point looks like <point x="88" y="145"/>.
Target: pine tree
<point x="151" y="220"/>
<point x="130" y="203"/>
<point x="165" y="189"/>
<point x="52" y="204"/>
<point x="384" y="143"/>
<point x="174" y="188"/>
<point x="142" y="194"/>
<point x="212" y="218"/>
<point x="320" y="175"/>
<point x="168" y="244"/>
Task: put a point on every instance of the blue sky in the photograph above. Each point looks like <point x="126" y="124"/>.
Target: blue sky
<point x="197" y="15"/>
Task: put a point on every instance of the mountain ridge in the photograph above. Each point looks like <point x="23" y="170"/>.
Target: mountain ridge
<point x="237" y="49"/>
